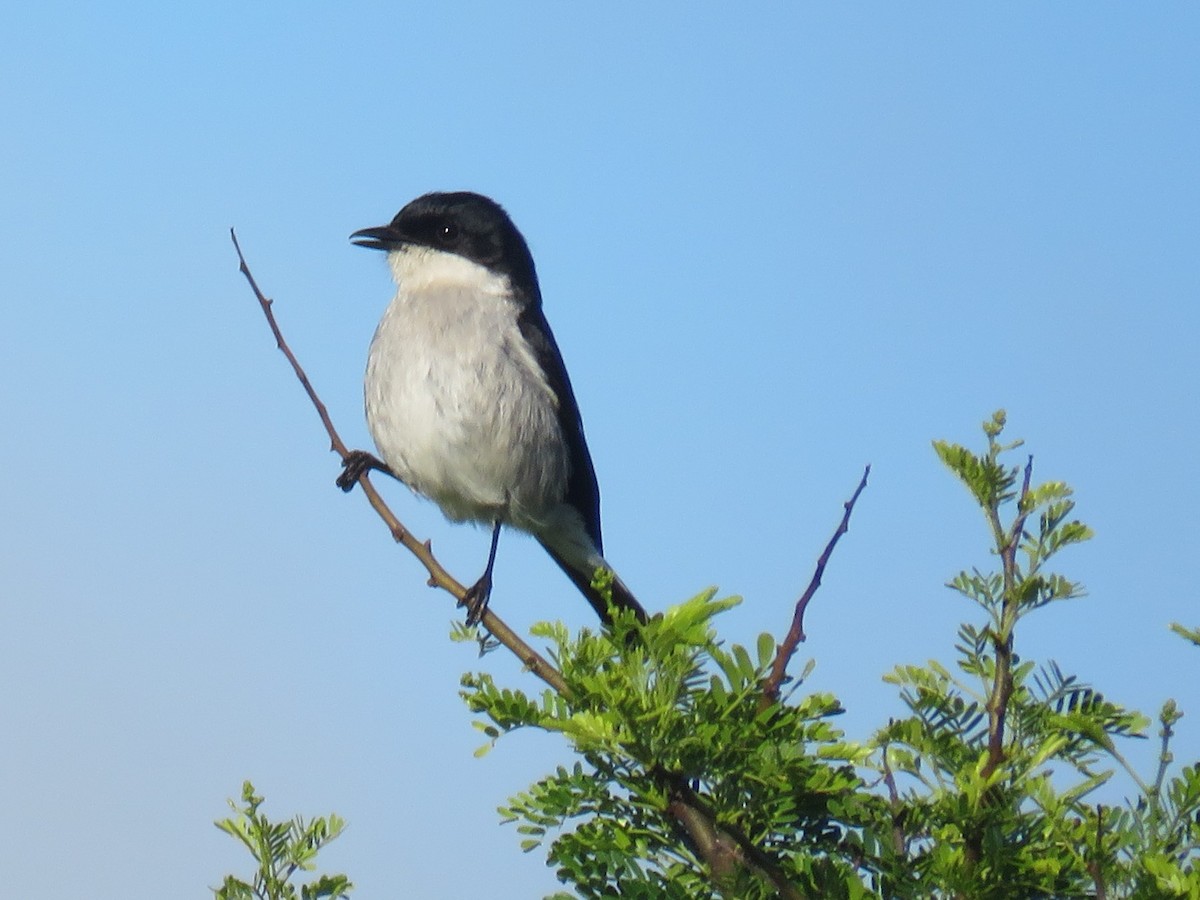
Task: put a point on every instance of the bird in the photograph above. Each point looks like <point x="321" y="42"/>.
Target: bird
<point x="467" y="397"/>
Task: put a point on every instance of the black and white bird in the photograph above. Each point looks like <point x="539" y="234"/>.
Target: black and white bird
<point x="467" y="397"/>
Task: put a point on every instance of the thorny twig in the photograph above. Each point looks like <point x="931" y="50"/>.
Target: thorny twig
<point x="787" y="648"/>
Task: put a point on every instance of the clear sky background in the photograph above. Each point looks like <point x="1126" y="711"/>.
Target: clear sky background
<point x="776" y="243"/>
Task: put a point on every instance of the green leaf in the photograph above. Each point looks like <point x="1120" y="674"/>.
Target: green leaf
<point x="766" y="650"/>
<point x="280" y="847"/>
<point x="1189" y="634"/>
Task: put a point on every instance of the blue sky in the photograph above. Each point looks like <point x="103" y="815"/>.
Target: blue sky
<point x="775" y="244"/>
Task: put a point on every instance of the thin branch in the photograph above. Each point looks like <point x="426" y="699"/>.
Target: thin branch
<point x="1002" y="642"/>
<point x="1009" y="551"/>
<point x="795" y="635"/>
<point x="1094" y="864"/>
<point x="1002" y="686"/>
<point x="438" y="576"/>
<point x="899" y="839"/>
<point x="336" y="442"/>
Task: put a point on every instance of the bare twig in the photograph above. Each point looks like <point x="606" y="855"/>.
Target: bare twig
<point x="795" y="635"/>
<point x="438" y="576"/>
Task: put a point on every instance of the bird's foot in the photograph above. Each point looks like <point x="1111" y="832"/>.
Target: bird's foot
<point x="476" y="600"/>
<point x="357" y="464"/>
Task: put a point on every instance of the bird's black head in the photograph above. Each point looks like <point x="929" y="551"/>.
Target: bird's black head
<point x="469" y="225"/>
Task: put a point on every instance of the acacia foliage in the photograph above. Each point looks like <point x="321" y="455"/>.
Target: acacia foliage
<point x="694" y="777"/>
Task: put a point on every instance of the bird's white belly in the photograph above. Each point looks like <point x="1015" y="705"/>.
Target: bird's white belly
<point x="458" y="412"/>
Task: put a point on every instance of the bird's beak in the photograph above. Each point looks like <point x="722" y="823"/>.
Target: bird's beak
<point x="384" y="237"/>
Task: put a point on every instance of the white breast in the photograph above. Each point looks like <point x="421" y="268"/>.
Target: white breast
<point x="456" y="404"/>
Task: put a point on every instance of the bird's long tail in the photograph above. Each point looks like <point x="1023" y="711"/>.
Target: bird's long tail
<point x="622" y="597"/>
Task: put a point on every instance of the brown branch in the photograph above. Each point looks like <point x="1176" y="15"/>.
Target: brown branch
<point x="438" y="576"/>
<point x="1094" y="864"/>
<point x="1002" y="687"/>
<point x="795" y="635"/>
<point x="724" y="850"/>
<point x="1002" y="683"/>
<point x="899" y="839"/>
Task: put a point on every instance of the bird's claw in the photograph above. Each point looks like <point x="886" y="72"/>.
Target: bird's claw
<point x="355" y="465"/>
<point x="476" y="599"/>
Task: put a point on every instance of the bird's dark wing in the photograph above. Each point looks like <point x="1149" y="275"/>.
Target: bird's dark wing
<point x="583" y="493"/>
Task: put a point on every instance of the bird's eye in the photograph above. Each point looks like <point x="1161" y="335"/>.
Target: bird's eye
<point x="447" y="232"/>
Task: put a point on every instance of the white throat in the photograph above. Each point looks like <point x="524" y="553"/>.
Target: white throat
<point x="416" y="269"/>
